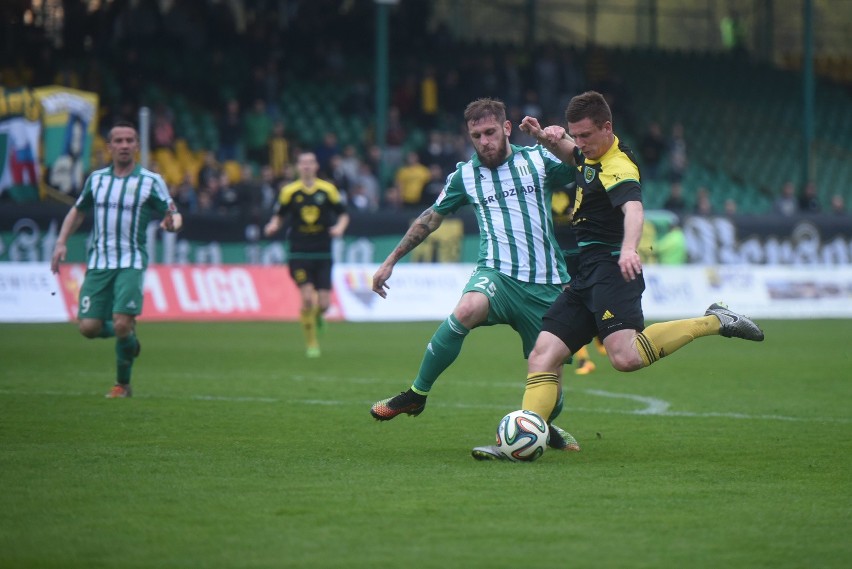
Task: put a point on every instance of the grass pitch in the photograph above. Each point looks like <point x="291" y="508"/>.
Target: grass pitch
<point x="237" y="451"/>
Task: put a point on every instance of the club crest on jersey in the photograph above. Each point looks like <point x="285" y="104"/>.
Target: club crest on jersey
<point x="588" y="174"/>
<point x="310" y="214"/>
<point x="132" y="185"/>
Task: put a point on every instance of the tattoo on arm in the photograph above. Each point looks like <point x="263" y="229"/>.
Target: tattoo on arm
<point x="425" y="224"/>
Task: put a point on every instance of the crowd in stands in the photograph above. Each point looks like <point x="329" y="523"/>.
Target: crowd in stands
<point x="236" y="66"/>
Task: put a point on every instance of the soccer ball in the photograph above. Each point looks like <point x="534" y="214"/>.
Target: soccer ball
<point x="522" y="436"/>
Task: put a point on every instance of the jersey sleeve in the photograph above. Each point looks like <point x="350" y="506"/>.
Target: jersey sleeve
<point x="453" y="196"/>
<point x="160" y="198"/>
<point x="86" y="198"/>
<point x="620" y="178"/>
<point x="285" y="197"/>
<point x="335" y="199"/>
<point x="559" y="173"/>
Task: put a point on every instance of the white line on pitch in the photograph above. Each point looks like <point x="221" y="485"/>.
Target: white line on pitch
<point x="653" y="406"/>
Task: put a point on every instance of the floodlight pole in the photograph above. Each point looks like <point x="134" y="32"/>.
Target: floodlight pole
<point x="144" y="136"/>
<point x="807" y="91"/>
<point x="382" y="84"/>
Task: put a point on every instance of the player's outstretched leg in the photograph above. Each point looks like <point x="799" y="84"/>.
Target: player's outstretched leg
<point x="441" y="352"/>
<point x="488" y="452"/>
<point x="734" y="325"/>
<point x="408" y="402"/>
<point x="560" y="439"/>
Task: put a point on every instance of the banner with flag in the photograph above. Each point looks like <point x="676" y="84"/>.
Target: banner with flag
<point x="20" y="132"/>
<point x="69" y="118"/>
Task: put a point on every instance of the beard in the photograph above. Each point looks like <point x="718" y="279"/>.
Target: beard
<point x="123" y="161"/>
<point x="497" y="157"/>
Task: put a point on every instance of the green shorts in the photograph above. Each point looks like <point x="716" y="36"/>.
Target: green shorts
<point x="518" y="304"/>
<point x="111" y="291"/>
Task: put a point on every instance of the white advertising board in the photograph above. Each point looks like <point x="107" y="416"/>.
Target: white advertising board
<point x="417" y="291"/>
<point x="29" y="292"/>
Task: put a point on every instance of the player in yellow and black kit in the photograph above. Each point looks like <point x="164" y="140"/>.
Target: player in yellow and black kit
<point x="563" y="208"/>
<point x="315" y="215"/>
<point x="605" y="295"/>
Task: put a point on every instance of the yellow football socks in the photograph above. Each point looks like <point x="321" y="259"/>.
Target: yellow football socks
<point x="661" y="339"/>
<point x="308" y="319"/>
<point x="542" y="393"/>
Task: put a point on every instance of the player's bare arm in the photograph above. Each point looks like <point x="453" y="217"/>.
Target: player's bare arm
<point x="70" y="224"/>
<point x="339" y="228"/>
<point x="555" y="138"/>
<point x="425" y="224"/>
<point x="172" y="222"/>
<point x="272" y="227"/>
<point x="629" y="261"/>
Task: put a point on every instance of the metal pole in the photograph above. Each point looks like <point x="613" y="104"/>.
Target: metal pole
<point x="382" y="83"/>
<point x="808" y="90"/>
<point x="144" y="136"/>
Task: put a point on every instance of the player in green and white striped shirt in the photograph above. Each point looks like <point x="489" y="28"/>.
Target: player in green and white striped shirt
<point x="520" y="270"/>
<point x="122" y="199"/>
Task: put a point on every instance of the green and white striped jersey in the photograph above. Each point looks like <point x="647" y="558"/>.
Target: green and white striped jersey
<point x="513" y="207"/>
<point x="122" y="208"/>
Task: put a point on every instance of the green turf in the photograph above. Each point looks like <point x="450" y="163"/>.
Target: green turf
<point x="237" y="451"/>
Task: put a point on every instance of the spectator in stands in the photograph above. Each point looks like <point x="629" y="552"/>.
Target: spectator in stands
<point x="324" y="151"/>
<point x="429" y="99"/>
<point x="229" y="199"/>
<point x="675" y="202"/>
<point x="405" y="96"/>
<point x="394" y="140"/>
<point x="452" y="91"/>
<point x="411" y="179"/>
<point x="248" y="194"/>
<point x="279" y="149"/>
<point x="359" y="200"/>
<point x="268" y="188"/>
<point x="230" y="132"/>
<point x="513" y="81"/>
<point x="838" y="204"/>
<point x="786" y="204"/>
<point x="185" y="196"/>
<point x="703" y="205"/>
<point x="546" y="67"/>
<point x="531" y="106"/>
<point x="369" y="184"/>
<point x="209" y="169"/>
<point x="439" y="150"/>
<point x="730" y="207"/>
<point x="651" y="150"/>
<point x="809" y="200"/>
<point x="218" y="197"/>
<point x="434" y="186"/>
<point x="571" y="79"/>
<point x="257" y="130"/>
<point x="671" y="247"/>
<point x="519" y="137"/>
<point x="162" y="127"/>
<point x="678" y="161"/>
<point x="339" y="176"/>
<point x="350" y="162"/>
<point x="392" y="199"/>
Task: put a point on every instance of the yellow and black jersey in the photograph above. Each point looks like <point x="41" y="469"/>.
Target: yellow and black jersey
<point x="309" y="212"/>
<point x="603" y="186"/>
<point x="562" y="206"/>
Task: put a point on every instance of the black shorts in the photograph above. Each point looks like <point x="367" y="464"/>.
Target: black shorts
<point x="597" y="303"/>
<point x="311" y="271"/>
